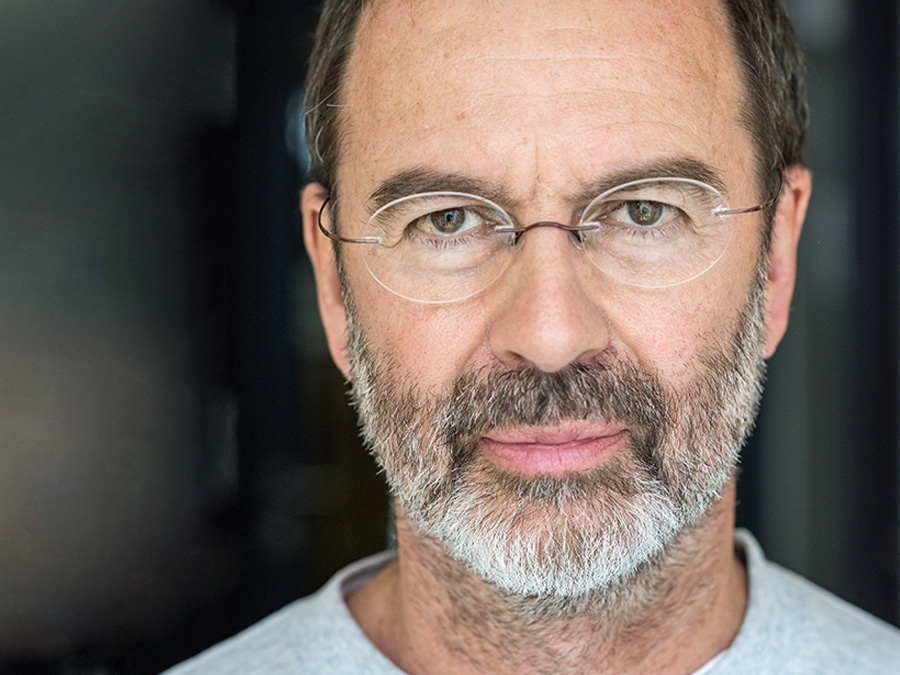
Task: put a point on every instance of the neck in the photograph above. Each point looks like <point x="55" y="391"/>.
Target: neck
<point x="680" y="610"/>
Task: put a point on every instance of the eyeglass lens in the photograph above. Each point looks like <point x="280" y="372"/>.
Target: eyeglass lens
<point x="446" y="246"/>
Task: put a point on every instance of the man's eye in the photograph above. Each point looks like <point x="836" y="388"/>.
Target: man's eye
<point x="449" y="221"/>
<point x="638" y="214"/>
<point x="645" y="213"/>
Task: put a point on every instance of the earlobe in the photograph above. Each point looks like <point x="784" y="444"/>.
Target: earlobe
<point x="782" y="268"/>
<point x="328" y="283"/>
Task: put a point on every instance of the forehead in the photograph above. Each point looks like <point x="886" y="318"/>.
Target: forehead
<point x="537" y="92"/>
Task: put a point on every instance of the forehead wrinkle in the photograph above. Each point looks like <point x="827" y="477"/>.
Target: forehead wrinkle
<point x="679" y="128"/>
<point x="712" y="13"/>
<point x="597" y="67"/>
<point x="685" y="66"/>
<point x="594" y="82"/>
<point x="436" y="25"/>
<point x="694" y="129"/>
<point x="578" y="94"/>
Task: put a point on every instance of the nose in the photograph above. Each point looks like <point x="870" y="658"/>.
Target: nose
<point x="548" y="315"/>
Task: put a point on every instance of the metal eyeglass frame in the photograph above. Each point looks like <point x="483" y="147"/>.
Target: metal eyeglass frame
<point x="518" y="231"/>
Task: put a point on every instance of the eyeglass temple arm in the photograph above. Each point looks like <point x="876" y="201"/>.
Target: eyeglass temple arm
<point x="336" y="237"/>
<point x="758" y="207"/>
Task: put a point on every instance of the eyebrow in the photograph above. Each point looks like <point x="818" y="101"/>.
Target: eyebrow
<point x="419" y="180"/>
<point x="674" y="167"/>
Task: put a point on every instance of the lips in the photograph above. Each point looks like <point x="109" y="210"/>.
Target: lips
<point x="557" y="451"/>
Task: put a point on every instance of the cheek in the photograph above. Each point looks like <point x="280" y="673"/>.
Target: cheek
<point x="431" y="344"/>
<point x="662" y="335"/>
<point x="666" y="330"/>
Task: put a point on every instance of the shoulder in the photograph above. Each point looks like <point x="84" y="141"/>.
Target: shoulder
<point x="793" y="626"/>
<point x="314" y="634"/>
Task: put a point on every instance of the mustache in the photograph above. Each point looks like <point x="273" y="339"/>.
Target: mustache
<point x="607" y="390"/>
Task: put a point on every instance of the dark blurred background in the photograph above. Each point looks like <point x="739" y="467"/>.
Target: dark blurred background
<point x="178" y="458"/>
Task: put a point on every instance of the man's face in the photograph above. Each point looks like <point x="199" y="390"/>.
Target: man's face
<point x="559" y="417"/>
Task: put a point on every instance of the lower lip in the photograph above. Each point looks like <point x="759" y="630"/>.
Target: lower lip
<point x="549" y="459"/>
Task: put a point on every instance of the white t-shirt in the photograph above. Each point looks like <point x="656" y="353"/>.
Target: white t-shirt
<point x="791" y="627"/>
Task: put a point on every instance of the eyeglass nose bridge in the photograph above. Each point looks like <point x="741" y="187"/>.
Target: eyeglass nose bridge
<point x="573" y="230"/>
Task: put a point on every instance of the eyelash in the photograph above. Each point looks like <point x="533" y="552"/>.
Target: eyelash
<point x="678" y="222"/>
<point x="439" y="243"/>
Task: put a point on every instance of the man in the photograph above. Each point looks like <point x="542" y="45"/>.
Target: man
<point x="553" y="243"/>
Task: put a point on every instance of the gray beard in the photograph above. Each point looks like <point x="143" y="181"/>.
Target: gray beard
<point x="560" y="543"/>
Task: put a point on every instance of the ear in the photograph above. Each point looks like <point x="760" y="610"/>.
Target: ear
<point x="328" y="283"/>
<point x="782" y="271"/>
